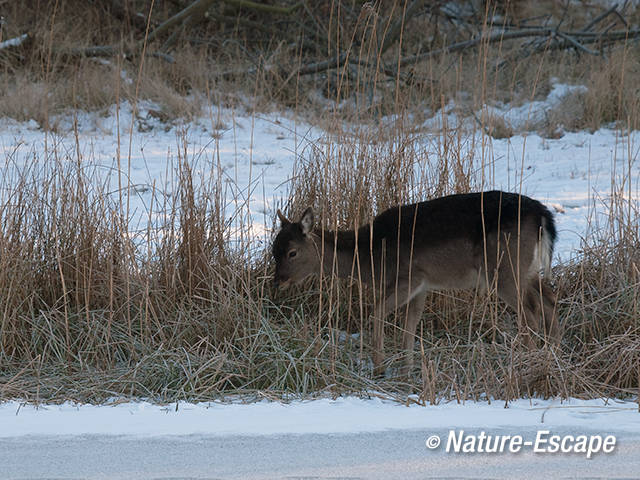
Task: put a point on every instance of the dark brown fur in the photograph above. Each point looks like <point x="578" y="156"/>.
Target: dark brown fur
<point x="453" y="242"/>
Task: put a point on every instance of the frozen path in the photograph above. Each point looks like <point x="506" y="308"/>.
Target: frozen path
<point x="343" y="438"/>
<point x="385" y="455"/>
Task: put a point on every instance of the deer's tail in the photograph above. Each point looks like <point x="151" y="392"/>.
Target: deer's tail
<point x="546" y="241"/>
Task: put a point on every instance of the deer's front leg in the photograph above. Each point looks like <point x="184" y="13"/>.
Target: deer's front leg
<point x="414" y="314"/>
<point x="386" y="306"/>
<point x="393" y="298"/>
<point x="378" y="341"/>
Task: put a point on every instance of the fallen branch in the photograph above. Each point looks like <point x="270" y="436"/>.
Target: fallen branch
<point x="599" y="18"/>
<point x="184" y="17"/>
<point x="260" y="7"/>
<point x="603" y="37"/>
<point x="324" y="65"/>
<point x="576" y="44"/>
<point x="199" y="6"/>
<point x="587" y="37"/>
<point x="566" y="40"/>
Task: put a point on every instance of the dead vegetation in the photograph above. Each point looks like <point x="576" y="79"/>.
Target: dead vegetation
<point x="362" y="59"/>
<point x="175" y="311"/>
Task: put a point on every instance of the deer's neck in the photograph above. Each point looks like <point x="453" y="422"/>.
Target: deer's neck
<point x="344" y="253"/>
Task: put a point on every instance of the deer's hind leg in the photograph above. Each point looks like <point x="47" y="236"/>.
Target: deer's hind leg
<point x="522" y="302"/>
<point x="542" y="297"/>
<point x="508" y="268"/>
<point x="509" y="259"/>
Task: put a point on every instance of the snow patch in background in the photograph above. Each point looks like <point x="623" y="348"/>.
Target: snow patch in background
<point x="532" y="115"/>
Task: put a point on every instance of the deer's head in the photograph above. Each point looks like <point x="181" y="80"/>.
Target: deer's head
<point x="294" y="250"/>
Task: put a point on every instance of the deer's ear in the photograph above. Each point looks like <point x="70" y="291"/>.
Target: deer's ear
<point x="283" y="220"/>
<point x="307" y="221"/>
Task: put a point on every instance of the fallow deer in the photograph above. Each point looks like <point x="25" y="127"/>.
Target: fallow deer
<point x="464" y="241"/>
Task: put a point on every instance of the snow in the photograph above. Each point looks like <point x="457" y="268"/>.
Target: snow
<point x="532" y="114"/>
<point x="576" y="175"/>
<point x="573" y="175"/>
<point x="14" y="42"/>
<point x="321" y="416"/>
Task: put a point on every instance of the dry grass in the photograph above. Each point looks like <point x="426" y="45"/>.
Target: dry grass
<point x="177" y="311"/>
<point x="174" y="310"/>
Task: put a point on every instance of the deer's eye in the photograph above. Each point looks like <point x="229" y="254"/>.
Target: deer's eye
<point x="293" y="253"/>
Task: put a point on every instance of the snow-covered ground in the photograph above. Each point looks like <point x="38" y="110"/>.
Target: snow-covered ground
<point x="322" y="439"/>
<point x="321" y="416"/>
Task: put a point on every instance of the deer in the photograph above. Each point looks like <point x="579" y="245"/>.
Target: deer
<point x="480" y="240"/>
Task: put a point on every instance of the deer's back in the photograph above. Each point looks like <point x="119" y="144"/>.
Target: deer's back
<point x="463" y="217"/>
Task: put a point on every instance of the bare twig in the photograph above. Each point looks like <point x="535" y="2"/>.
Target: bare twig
<point x="119" y="10"/>
<point x="261" y="7"/>
<point x="599" y="18"/>
<point x="199" y="6"/>
<point x="394" y="30"/>
<point x="576" y="44"/>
